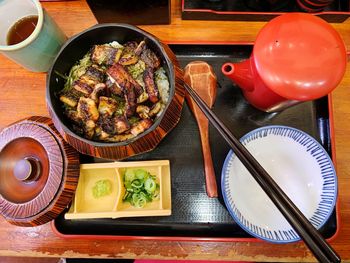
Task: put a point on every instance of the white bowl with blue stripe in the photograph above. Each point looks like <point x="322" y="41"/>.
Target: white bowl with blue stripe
<point x="299" y="165"/>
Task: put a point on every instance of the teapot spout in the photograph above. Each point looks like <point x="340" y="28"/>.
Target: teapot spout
<point x="240" y="73"/>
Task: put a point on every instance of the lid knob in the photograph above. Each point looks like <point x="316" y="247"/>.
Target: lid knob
<point x="27" y="170"/>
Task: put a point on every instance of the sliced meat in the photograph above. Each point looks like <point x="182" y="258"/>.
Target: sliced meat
<point x="141" y="126"/>
<point x="88" y="113"/>
<point x="107" y="106"/>
<point x="105" y="54"/>
<point x="71" y="97"/>
<point x="142" y="98"/>
<point x="69" y="100"/>
<point x="124" y="81"/>
<point x="151" y="87"/>
<point x="101" y="134"/>
<point x="138" y="88"/>
<point x="130" y="100"/>
<point x="83" y="87"/>
<point x="87" y="110"/>
<point x="115" y="57"/>
<point x="100" y="89"/>
<point x="155" y="109"/>
<point x="89" y="129"/>
<point x="121" y="124"/>
<point x="130" y="45"/>
<point x="150" y="58"/>
<point x="143" y="111"/>
<point x="86" y="83"/>
<point x="119" y="75"/>
<point x="140" y="48"/>
<point x="113" y="125"/>
<point x="106" y="124"/>
<point x="95" y="73"/>
<point x="99" y="53"/>
<point x="128" y="58"/>
<point x="113" y="87"/>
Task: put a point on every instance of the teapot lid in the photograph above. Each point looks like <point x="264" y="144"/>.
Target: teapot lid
<point x="300" y="56"/>
<point x="39" y="172"/>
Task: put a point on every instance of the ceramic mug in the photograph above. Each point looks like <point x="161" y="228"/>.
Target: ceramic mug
<point x="38" y="50"/>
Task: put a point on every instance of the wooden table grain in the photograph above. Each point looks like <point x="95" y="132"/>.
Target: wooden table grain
<point x="23" y="95"/>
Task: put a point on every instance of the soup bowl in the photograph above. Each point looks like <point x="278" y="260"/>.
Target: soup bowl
<point x="298" y="164"/>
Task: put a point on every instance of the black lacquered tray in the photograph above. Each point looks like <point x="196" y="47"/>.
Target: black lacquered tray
<point x="194" y="214"/>
<point x="255" y="10"/>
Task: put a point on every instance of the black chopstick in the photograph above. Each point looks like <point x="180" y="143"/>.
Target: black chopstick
<point x="312" y="238"/>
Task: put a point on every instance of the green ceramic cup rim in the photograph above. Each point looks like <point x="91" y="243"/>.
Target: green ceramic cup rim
<point x="34" y="34"/>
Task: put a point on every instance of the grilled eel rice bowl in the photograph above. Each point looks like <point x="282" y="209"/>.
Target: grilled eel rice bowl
<point x="112" y="85"/>
<point x="115" y="92"/>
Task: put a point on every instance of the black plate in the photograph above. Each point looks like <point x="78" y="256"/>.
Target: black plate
<point x="193" y="213"/>
<point x="256" y="10"/>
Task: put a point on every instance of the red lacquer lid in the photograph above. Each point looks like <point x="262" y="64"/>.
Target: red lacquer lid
<point x="300" y="56"/>
<point x="38" y="172"/>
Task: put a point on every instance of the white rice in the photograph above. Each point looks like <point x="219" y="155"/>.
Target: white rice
<point x="162" y="83"/>
<point x="115" y="44"/>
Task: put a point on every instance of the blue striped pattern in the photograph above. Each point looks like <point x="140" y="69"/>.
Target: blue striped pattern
<point x="329" y="189"/>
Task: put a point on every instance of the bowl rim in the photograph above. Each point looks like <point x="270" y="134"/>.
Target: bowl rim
<point x="231" y="154"/>
<point x="171" y="80"/>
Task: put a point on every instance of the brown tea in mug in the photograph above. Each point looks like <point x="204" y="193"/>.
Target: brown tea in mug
<point x="22" y="29"/>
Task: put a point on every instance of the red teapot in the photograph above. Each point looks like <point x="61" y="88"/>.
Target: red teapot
<point x="296" y="57"/>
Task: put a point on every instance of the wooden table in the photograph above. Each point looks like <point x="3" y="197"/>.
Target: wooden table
<point x="23" y="94"/>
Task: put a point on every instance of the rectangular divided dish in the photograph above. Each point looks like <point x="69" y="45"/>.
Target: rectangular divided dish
<point x="85" y="205"/>
<point x="195" y="216"/>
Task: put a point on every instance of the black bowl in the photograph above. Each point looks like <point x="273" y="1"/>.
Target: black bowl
<point x="73" y="50"/>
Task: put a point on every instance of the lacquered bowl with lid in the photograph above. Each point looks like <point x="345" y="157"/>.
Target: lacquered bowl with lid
<point x="39" y="172"/>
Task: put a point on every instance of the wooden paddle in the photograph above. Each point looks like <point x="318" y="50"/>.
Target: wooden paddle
<point x="201" y="77"/>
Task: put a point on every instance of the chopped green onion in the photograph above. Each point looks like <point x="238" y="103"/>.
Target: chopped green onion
<point x="141" y="187"/>
<point x="137" y="190"/>
<point x="127" y="196"/>
<point x="129" y="175"/>
<point x="147" y="196"/>
<point x="137" y="183"/>
<point x="139" y="200"/>
<point x="150" y="185"/>
<point x="141" y="174"/>
<point x="156" y="194"/>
